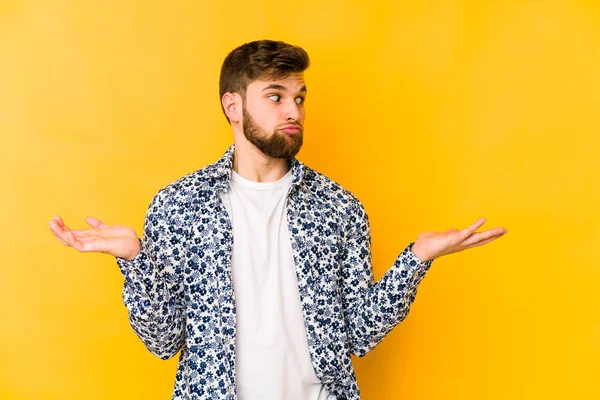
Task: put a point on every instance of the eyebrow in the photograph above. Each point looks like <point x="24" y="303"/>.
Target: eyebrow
<point x="282" y="88"/>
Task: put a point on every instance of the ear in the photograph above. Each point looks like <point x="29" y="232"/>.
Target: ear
<point x="232" y="104"/>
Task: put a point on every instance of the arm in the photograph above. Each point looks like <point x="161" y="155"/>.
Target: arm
<point x="372" y="309"/>
<point x="153" y="287"/>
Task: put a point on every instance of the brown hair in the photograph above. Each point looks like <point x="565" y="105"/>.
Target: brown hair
<point x="264" y="59"/>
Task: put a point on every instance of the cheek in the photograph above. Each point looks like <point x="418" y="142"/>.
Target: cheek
<point x="266" y="122"/>
<point x="257" y="115"/>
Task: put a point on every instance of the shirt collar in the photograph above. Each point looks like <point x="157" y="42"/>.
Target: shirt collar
<point x="221" y="170"/>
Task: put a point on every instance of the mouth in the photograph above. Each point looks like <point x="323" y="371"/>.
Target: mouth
<point x="292" y="130"/>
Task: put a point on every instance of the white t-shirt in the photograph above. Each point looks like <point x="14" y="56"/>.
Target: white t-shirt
<point x="272" y="356"/>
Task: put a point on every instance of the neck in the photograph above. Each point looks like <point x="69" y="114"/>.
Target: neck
<point x="252" y="164"/>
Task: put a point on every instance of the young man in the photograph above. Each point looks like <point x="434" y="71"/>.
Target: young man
<point x="257" y="267"/>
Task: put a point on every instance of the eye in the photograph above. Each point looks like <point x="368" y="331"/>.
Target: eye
<point x="299" y="100"/>
<point x="274" y="95"/>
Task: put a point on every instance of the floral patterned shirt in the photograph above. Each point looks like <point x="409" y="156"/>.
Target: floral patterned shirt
<point x="179" y="293"/>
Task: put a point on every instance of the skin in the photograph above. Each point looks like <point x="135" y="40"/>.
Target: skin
<point x="261" y="154"/>
<point x="269" y="106"/>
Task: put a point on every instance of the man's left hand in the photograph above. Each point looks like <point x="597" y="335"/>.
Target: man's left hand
<point x="430" y="245"/>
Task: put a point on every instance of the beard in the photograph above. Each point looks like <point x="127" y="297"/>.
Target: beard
<point x="277" y="145"/>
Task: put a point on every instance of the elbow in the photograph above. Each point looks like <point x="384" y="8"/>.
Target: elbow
<point x="364" y="338"/>
<point x="358" y="346"/>
<point x="162" y="342"/>
<point x="165" y="349"/>
<point x="167" y="355"/>
<point x="361" y="348"/>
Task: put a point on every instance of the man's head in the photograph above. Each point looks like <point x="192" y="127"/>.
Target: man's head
<point x="262" y="92"/>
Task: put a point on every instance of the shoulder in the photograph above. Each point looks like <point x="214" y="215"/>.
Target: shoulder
<point x="183" y="191"/>
<point x="331" y="193"/>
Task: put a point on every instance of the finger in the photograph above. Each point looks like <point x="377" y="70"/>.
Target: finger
<point x="68" y="236"/>
<point x="451" y="230"/>
<point x="96" y="223"/>
<point x="59" y="220"/>
<point x="78" y="246"/>
<point x="93" y="244"/>
<point x="56" y="231"/>
<point x="72" y="239"/>
<point x="465" y="233"/>
<point x="478" y="236"/>
<point x="80" y="243"/>
<point x="55" y="222"/>
<point x="57" y="228"/>
<point x="60" y="239"/>
<point x="64" y="233"/>
<point x="481" y="243"/>
<point x="81" y="233"/>
<point x="67" y="232"/>
<point x="60" y="224"/>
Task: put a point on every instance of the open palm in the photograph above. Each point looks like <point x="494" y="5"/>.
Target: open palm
<point x="430" y="245"/>
<point x="117" y="240"/>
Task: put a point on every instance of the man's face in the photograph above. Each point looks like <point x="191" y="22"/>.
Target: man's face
<point x="273" y="115"/>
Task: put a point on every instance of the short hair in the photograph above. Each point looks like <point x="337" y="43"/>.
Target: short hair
<point x="260" y="59"/>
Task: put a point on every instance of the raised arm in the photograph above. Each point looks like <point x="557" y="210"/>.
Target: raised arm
<point x="153" y="288"/>
<point x="372" y="309"/>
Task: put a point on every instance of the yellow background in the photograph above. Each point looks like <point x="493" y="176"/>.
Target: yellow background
<point x="433" y="113"/>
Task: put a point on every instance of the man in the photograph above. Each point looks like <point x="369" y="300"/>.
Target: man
<point x="257" y="267"/>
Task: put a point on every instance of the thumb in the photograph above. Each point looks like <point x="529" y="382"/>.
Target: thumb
<point x="95" y="223"/>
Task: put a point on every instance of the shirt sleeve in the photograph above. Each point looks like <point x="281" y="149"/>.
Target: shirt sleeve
<point x="372" y="309"/>
<point x="153" y="290"/>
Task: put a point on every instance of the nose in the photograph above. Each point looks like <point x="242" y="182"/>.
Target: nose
<point x="292" y="112"/>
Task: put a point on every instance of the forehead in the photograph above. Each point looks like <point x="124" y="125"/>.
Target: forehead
<point x="293" y="83"/>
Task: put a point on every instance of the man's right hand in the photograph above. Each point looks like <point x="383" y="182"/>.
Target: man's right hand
<point x="117" y="240"/>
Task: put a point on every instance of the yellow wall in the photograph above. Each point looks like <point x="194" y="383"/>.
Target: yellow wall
<point x="433" y="113"/>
